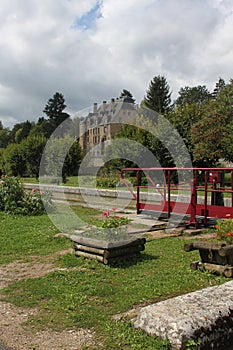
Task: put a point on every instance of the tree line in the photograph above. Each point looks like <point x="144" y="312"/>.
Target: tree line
<point x="22" y="147"/>
<point x="203" y="118"/>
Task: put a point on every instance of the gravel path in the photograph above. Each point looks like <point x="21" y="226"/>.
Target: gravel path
<point x="3" y="347"/>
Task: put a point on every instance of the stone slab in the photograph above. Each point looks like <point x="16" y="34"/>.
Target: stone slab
<point x="193" y="232"/>
<point x="205" y="314"/>
<point x="109" y="245"/>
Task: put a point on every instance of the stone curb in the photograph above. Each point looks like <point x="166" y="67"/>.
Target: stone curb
<point x="107" y="193"/>
<point x="205" y="315"/>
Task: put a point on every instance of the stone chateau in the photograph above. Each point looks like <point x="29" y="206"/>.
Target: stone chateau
<point x="99" y="126"/>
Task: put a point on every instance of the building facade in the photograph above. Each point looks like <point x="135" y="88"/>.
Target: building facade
<point x="100" y="125"/>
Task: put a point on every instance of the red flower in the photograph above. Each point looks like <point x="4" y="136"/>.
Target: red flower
<point x="106" y="213"/>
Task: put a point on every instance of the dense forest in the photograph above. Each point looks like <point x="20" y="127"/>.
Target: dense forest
<point x="203" y="118"/>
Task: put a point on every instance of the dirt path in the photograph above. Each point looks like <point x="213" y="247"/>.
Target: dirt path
<point x="17" y="336"/>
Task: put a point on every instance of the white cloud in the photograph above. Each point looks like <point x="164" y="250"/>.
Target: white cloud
<point x="90" y="50"/>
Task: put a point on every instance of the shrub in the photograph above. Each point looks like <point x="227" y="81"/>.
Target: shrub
<point x="37" y="201"/>
<point x="15" y="200"/>
<point x="107" y="182"/>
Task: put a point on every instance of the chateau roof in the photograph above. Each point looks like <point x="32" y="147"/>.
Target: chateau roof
<point x="107" y="112"/>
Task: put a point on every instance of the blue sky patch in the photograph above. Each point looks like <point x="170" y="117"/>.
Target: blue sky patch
<point x="88" y="20"/>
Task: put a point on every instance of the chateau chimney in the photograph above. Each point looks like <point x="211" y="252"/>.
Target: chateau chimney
<point x="95" y="108"/>
<point x="104" y="104"/>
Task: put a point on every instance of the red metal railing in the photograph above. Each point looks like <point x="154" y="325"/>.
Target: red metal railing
<point x="204" y="189"/>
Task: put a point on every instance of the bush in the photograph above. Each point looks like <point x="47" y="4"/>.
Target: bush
<point x="11" y="195"/>
<point x="15" y="200"/>
<point x="107" y="182"/>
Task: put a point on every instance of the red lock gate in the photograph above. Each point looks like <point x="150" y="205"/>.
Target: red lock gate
<point x="199" y="193"/>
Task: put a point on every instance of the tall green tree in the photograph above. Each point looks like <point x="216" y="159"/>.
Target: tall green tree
<point x="158" y="95"/>
<point x="54" y="109"/>
<point x="124" y="153"/>
<point x="218" y="87"/>
<point x="127" y="93"/>
<point x="23" y="132"/>
<point x="197" y="94"/>
<point x="12" y="161"/>
<point x="42" y="128"/>
<point x="183" y="117"/>
<point x="152" y="142"/>
<point x="5" y="137"/>
<point x="212" y="135"/>
<point x="32" y="149"/>
<point x="62" y="157"/>
<point x="17" y="128"/>
<point x="73" y="160"/>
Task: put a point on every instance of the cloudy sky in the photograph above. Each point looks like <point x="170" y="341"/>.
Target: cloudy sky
<point x="90" y="50"/>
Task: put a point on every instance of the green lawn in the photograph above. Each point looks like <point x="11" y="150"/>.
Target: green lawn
<point x="91" y="294"/>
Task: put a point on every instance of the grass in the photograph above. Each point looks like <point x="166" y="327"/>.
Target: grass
<point x="23" y="236"/>
<point x="31" y="180"/>
<point x="69" y="219"/>
<point x="89" y="295"/>
<point x="87" y="181"/>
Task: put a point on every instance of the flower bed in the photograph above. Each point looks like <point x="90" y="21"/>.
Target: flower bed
<point x="217" y="257"/>
<point x="110" y="242"/>
<point x="224" y="231"/>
